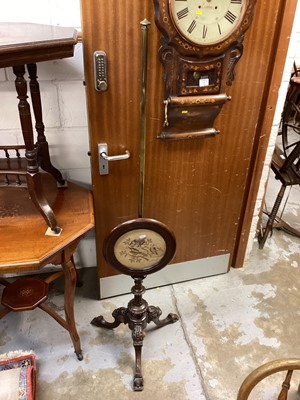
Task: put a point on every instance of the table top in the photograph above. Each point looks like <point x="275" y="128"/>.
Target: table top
<point x="24" y="43"/>
<point x="23" y="244"/>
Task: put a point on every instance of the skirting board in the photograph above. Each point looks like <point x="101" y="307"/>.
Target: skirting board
<point x="175" y="273"/>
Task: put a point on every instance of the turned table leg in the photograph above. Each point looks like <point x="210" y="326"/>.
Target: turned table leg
<point x="25" y="119"/>
<point x="42" y="144"/>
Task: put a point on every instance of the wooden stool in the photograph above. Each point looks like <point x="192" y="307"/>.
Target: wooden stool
<point x="24" y="248"/>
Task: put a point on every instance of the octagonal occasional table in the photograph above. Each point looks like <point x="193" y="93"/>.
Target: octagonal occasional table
<point x="25" y="248"/>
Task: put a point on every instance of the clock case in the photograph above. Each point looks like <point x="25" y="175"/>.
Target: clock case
<point x="195" y="76"/>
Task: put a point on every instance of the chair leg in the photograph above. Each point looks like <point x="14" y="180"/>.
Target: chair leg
<point x="262" y="239"/>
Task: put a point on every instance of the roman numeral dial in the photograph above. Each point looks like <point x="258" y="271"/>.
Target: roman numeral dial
<point x="206" y="21"/>
<point x="182" y="13"/>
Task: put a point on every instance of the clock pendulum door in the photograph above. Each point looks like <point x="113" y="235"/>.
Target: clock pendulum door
<point x="138" y="248"/>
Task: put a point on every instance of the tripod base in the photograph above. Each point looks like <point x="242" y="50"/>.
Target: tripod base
<point x="137" y="315"/>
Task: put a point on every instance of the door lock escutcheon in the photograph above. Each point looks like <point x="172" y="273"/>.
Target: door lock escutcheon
<point x="104" y="158"/>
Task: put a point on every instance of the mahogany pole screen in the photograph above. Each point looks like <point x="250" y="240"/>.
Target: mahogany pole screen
<point x="137" y="248"/>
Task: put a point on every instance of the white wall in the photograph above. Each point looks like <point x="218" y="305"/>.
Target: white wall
<point x="63" y="101"/>
<point x="64" y="107"/>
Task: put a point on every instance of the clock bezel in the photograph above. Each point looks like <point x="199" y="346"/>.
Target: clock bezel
<point x="171" y="4"/>
<point x="173" y="38"/>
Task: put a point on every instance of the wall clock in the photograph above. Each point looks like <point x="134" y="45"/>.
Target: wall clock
<point x="201" y="44"/>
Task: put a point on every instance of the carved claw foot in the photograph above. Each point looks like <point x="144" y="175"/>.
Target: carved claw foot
<point x="138" y="383"/>
<point x="99" y="321"/>
<point x="120" y="317"/>
<point x="170" y="319"/>
<point x="154" y="314"/>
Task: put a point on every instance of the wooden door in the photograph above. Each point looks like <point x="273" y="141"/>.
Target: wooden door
<point x="197" y="186"/>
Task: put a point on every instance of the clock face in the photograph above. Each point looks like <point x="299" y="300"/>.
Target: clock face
<point x="206" y="22"/>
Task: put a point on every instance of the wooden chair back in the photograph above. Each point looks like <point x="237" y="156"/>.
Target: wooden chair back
<point x="265" y="370"/>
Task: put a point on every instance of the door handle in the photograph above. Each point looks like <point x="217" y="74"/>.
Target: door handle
<point x="104" y="158"/>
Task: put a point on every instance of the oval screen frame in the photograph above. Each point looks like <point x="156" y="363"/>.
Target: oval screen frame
<point x="139" y="247"/>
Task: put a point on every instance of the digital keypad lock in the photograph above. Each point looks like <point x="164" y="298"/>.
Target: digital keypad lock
<point x="100" y="70"/>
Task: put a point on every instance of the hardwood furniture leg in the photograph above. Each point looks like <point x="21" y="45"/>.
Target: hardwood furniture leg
<point x="32" y="176"/>
<point x="42" y="144"/>
<point x="34" y="186"/>
<point x="4" y="311"/>
<point x="137" y="315"/>
<point x="79" y="282"/>
<point x="69" y="295"/>
<point x="25" y="118"/>
<point x="70" y="276"/>
<point x="138" y="335"/>
<point x="28" y="293"/>
<point x="262" y="239"/>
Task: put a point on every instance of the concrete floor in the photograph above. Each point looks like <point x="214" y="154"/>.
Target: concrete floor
<point x="228" y="325"/>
